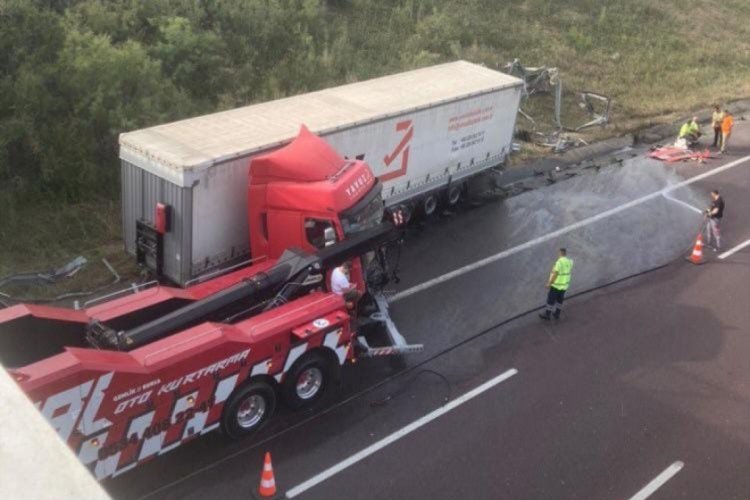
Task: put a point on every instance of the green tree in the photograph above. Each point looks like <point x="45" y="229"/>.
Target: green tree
<point x="30" y="39"/>
<point x="110" y="89"/>
<point x="66" y="95"/>
<point x="193" y="59"/>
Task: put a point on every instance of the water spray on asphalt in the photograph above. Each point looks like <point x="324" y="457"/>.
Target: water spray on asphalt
<point x="647" y="235"/>
<point x="615" y="223"/>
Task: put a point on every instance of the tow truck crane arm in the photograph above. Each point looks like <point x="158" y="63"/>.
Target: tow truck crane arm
<point x="284" y="281"/>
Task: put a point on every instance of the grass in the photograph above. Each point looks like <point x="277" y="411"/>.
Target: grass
<point x="658" y="60"/>
<point x="39" y="238"/>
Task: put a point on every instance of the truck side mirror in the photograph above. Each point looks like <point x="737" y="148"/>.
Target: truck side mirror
<point x="329" y="235"/>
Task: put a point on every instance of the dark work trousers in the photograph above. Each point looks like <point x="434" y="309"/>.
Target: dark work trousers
<point x="717" y="137"/>
<point x="555" y="299"/>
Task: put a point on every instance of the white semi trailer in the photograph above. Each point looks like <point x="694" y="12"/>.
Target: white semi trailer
<point x="423" y="133"/>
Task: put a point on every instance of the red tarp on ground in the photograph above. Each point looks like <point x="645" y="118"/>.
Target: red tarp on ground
<point x="308" y="158"/>
<point x="671" y="154"/>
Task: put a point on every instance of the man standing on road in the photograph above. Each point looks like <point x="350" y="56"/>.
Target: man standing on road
<point x="716" y="120"/>
<point x="558" y="283"/>
<point x="714" y="213"/>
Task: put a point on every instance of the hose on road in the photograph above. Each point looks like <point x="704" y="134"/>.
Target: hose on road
<point x="407" y="384"/>
<point x="418" y="367"/>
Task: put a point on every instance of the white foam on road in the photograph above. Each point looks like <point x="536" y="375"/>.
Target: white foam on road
<point x="665" y="192"/>
<point x="404" y="431"/>
<point x="658" y="481"/>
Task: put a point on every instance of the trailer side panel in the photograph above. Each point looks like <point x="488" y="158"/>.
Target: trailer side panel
<point x="141" y="191"/>
<point x="418" y="152"/>
<point x="220" y="222"/>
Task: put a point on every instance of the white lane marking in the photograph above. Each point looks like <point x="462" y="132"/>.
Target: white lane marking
<point x="734" y="250"/>
<point x="555" y="234"/>
<point x="658" y="481"/>
<point x="361" y="455"/>
<point x="686" y="205"/>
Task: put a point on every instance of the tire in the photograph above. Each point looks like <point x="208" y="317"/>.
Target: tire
<point x="429" y="205"/>
<point x="307" y="381"/>
<point x="453" y="195"/>
<point x="248" y="409"/>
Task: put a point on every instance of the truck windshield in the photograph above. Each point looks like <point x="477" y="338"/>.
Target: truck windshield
<point x="367" y="213"/>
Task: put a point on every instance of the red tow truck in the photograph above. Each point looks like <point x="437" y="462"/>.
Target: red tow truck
<point x="135" y="376"/>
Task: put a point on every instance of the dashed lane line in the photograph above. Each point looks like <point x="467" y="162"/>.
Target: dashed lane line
<point x="658" y="481"/>
<point x="404" y="431"/>
<point x="734" y="250"/>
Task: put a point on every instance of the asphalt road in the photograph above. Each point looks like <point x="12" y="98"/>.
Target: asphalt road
<point x="647" y="373"/>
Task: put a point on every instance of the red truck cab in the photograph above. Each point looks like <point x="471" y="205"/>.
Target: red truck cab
<point x="299" y="191"/>
<point x="306" y="195"/>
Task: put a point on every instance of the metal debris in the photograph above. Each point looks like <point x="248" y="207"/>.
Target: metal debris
<point x="545" y="80"/>
<point x="52" y="277"/>
<point x="46" y="277"/>
<point x="558" y="141"/>
<point x="537" y="80"/>
<point x="599" y="112"/>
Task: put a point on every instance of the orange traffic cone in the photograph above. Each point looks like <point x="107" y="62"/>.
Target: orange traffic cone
<point x="697" y="256"/>
<point x="267" y="482"/>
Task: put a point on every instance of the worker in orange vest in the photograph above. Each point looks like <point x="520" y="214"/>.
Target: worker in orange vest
<point x="726" y="129"/>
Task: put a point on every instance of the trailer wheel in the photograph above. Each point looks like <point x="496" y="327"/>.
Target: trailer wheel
<point x="453" y="194"/>
<point x="307" y="381"/>
<point x="248" y="409"/>
<point x="429" y="204"/>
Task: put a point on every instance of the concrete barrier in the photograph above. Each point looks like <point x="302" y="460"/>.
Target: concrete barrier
<point x="34" y="462"/>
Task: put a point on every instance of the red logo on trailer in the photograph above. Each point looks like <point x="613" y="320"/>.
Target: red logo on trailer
<point x="402" y="150"/>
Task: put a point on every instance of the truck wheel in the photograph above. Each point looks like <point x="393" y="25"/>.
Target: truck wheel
<point x="307" y="381"/>
<point x="429" y="204"/>
<point x="248" y="409"/>
<point x="453" y="195"/>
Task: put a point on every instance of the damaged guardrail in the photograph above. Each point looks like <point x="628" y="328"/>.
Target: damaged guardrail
<point x="546" y="80"/>
<point x="53" y="277"/>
